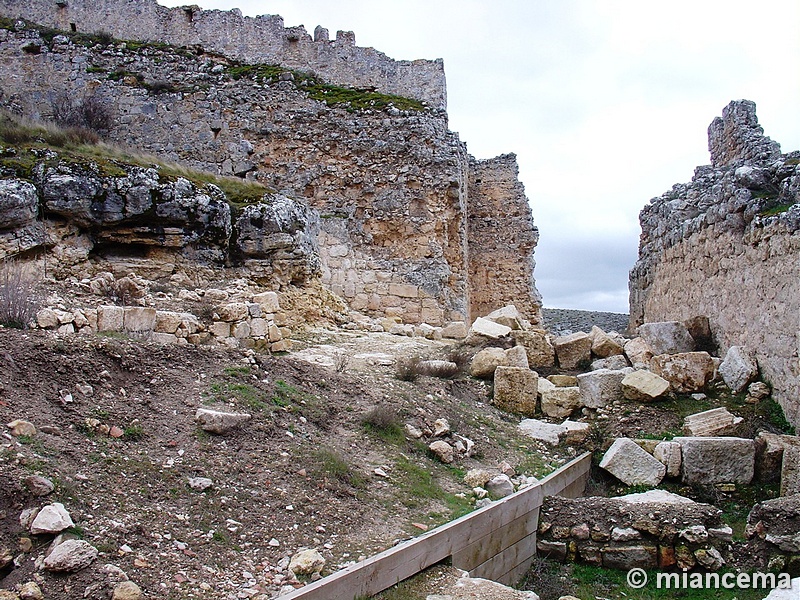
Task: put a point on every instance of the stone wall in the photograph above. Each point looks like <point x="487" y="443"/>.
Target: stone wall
<point x="501" y="239"/>
<point x="263" y="39"/>
<point x="726" y="245"/>
<point x="391" y="187"/>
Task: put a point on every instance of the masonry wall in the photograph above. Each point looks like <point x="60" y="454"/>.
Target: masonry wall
<point x="727" y="245"/>
<point x="262" y="39"/>
<point x="391" y="187"/>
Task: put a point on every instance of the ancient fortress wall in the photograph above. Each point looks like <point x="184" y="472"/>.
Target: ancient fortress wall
<point x="727" y="245"/>
<point x="392" y="188"/>
<point x="262" y="39"/>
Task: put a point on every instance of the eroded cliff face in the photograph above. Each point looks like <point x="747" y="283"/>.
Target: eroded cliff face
<point x="726" y="245"/>
<point x="391" y="187"/>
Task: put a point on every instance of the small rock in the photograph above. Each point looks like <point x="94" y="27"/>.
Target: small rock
<point x="38" y="485"/>
<point x="200" y="484"/>
<point x="53" y="518"/>
<point x="441" y="427"/>
<point x="443" y="451"/>
<point x="71" y="556"/>
<point x="413" y="432"/>
<point x="306" y="562"/>
<point x="500" y="486"/>
<point x="20" y="428"/>
<point x="126" y="590"/>
<point x="31" y="591"/>
<point x="219" y="422"/>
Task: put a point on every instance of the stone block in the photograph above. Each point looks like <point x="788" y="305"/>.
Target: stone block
<point x="563" y="380"/>
<point x="769" y="454"/>
<point x="484" y="328"/>
<point x="710" y="423"/>
<point x="700" y="330"/>
<point x="575" y="432"/>
<point x="667" y="337"/>
<point x="240" y="330"/>
<point x="639" y="353"/>
<point x="508" y="316"/>
<point x="485" y="362"/>
<point x="551" y="550"/>
<point x="603" y="345"/>
<point x="598" y="388"/>
<point x="164" y="338"/>
<point x="790" y="471"/>
<point x="644" y="386"/>
<point x="738" y="369"/>
<point x="629" y="557"/>
<point x="543" y="431"/>
<point x="538" y="347"/>
<point x="516" y="357"/>
<point x="687" y="372"/>
<point x="573" y="351"/>
<point x="455" y="330"/>
<point x="560" y="402"/>
<point x="218" y="422"/>
<point x="615" y="362"/>
<point x="669" y="454"/>
<point x="515" y="390"/>
<point x="259" y="327"/>
<point x="268" y="301"/>
<point x="626" y="461"/>
<point x="220" y="329"/>
<point x="711" y="460"/>
<point x="110" y="318"/>
<point x="234" y="311"/>
<point x="137" y="318"/>
<point x="47" y="319"/>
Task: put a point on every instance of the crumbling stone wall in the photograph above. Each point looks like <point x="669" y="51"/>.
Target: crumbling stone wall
<point x="501" y="239"/>
<point x="726" y="245"/>
<point x="263" y="39"/>
<point x="391" y="187"/>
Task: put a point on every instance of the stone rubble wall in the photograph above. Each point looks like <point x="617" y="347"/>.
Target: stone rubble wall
<point x="391" y="187"/>
<point x="726" y="246"/>
<point x="501" y="239"/>
<point x="262" y="39"/>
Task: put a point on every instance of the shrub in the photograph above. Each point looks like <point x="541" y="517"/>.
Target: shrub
<point x="407" y="368"/>
<point x="91" y="112"/>
<point x="384" y="423"/>
<point x="19" y="296"/>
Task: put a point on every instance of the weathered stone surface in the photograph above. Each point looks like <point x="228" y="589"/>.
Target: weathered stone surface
<point x="790" y="470"/>
<point x="443" y="451"/>
<point x="669" y="453"/>
<point x="543" y="431"/>
<point x="667" y="337"/>
<point x="21" y="428"/>
<point x="626" y="461"/>
<point x="19" y="203"/>
<point x="110" y="318"/>
<point x="603" y="345"/>
<point x="598" y="388"/>
<point x="515" y="390"/>
<point x="233" y="311"/>
<point x="53" y="518"/>
<point x="457" y="330"/>
<point x="613" y="363"/>
<point x="575" y="432"/>
<point x="738" y="369"/>
<point x="699" y="328"/>
<point x="516" y="357"/>
<point x="38" y="485"/>
<point x="70" y="556"/>
<point x="563" y="380"/>
<point x="629" y="557"/>
<point x="219" y="422"/>
<point x="769" y="455"/>
<point x="538" y="347"/>
<point x="126" y="590"/>
<point x="709" y="423"/>
<point x="510" y="317"/>
<point x="485" y="362"/>
<point x="639" y="353"/>
<point x="137" y="319"/>
<point x="710" y="460"/>
<point x="560" y="402"/>
<point x="686" y="372"/>
<point x="644" y="386"/>
<point x="655" y="497"/>
<point x="268" y="301"/>
<point x="574" y="350"/>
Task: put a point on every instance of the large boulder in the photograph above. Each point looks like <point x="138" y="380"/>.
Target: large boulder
<point x="711" y="460"/>
<point x="19" y="203"/>
<point x="70" y="556"/>
<point x="667" y="337"/>
<point x="644" y="386"/>
<point x="537" y="346"/>
<point x="738" y="368"/>
<point x="639" y="353"/>
<point x="484" y="329"/>
<point x="543" y="431"/>
<point x="515" y="390"/>
<point x="626" y="461"/>
<point x="485" y="362"/>
<point x="603" y="345"/>
<point x="598" y="388"/>
<point x="573" y="351"/>
<point x="510" y="317"/>
<point x="687" y="372"/>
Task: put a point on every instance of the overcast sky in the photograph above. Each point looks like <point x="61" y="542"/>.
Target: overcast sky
<point x="605" y="102"/>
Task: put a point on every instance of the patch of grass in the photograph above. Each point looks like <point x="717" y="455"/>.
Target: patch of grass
<point x="772" y="412"/>
<point x="418" y="484"/>
<point x="332" y="466"/>
<point x="133" y="432"/>
<point x="384" y="423"/>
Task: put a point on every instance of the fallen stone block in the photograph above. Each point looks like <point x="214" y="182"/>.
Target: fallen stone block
<point x="790" y="470"/>
<point x="614" y="363"/>
<point x="626" y="461"/>
<point x="655" y="497"/>
<point x="573" y="351"/>
<point x="139" y="319"/>
<point x="486" y="329"/>
<point x="711" y="460"/>
<point x="560" y="402"/>
<point x="485" y="362"/>
<point x="603" y="345"/>
<point x="686" y="372"/>
<point x="710" y="423"/>
<point x="71" y="556"/>
<point x="575" y="432"/>
<point x="667" y="337"/>
<point x="537" y="346"/>
<point x="598" y="388"/>
<point x="543" y="431"/>
<point x="669" y="454"/>
<point x="644" y="386"/>
<point x="638" y="352"/>
<point x="455" y="330"/>
<point x="563" y="380"/>
<point x="516" y="357"/>
<point x="738" y="369"/>
<point x="515" y="390"/>
<point x="510" y="317"/>
<point x="219" y="422"/>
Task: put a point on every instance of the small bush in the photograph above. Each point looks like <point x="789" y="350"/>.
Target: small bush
<point x="384" y="423"/>
<point x="19" y="296"/>
<point x="91" y="112"/>
<point x="443" y="369"/>
<point x="407" y="368"/>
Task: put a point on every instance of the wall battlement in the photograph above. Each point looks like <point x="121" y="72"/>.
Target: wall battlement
<point x="262" y="39"/>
